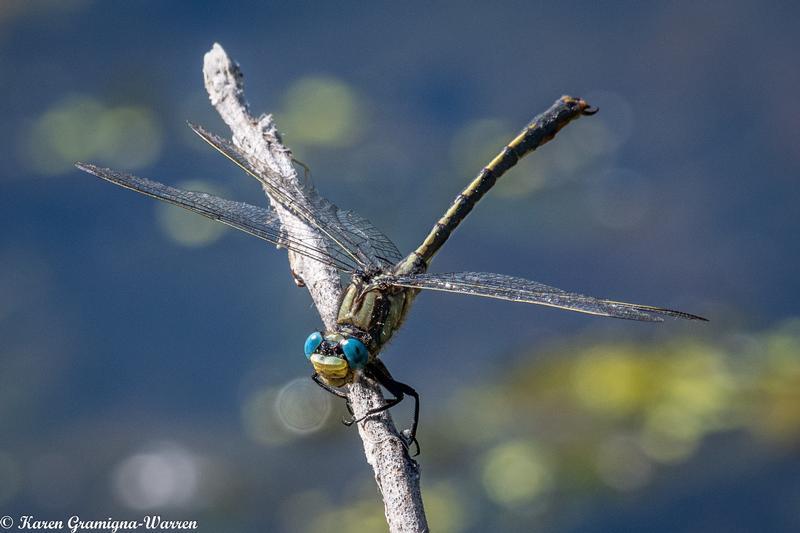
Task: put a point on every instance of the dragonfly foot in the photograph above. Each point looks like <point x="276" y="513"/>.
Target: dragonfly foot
<point x="409" y="440"/>
<point x="371" y="412"/>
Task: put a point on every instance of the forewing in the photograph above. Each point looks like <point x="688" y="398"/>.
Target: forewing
<point x="353" y="234"/>
<point x="376" y="246"/>
<point x="256" y="221"/>
<point x="532" y="292"/>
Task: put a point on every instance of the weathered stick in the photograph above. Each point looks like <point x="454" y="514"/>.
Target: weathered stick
<point x="396" y="473"/>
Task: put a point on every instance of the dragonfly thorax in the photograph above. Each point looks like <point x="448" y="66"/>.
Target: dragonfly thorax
<point x="374" y="308"/>
<point x="369" y="314"/>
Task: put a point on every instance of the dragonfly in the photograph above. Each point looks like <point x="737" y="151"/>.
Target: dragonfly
<point x="383" y="283"/>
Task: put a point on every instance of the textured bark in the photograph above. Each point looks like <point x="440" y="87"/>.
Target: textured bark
<point x="396" y="473"/>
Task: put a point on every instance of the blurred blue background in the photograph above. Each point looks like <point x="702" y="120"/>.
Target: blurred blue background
<point x="151" y="363"/>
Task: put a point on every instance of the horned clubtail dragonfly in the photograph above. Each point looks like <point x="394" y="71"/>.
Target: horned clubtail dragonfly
<point x="383" y="282"/>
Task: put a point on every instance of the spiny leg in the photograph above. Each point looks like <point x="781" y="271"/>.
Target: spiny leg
<point x="378" y="371"/>
<point x="399" y="389"/>
<point x="391" y="402"/>
<point x="335" y="392"/>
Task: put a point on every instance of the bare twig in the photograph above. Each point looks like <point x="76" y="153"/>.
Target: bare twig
<point x="396" y="473"/>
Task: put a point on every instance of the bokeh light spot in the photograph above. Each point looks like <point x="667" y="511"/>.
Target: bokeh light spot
<point x="187" y="228"/>
<point x="608" y="380"/>
<point x="445" y="507"/>
<point x="80" y="128"/>
<point x="260" y="418"/>
<point x="322" y="111"/>
<point x="63" y="134"/>
<point x="302" y="406"/>
<point x="165" y="477"/>
<point x="475" y="144"/>
<point x="479" y="414"/>
<point x="671" y="433"/>
<point x="132" y="137"/>
<point x="273" y="417"/>
<point x="515" y="473"/>
<point x="701" y="382"/>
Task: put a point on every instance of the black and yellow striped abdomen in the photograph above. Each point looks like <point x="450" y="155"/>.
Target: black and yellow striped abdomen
<point x="539" y="131"/>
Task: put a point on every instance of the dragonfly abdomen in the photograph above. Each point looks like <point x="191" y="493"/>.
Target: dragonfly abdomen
<point x="538" y="132"/>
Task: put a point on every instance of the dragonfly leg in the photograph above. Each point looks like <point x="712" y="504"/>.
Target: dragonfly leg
<point x="306" y="169"/>
<point x="391" y="402"/>
<point x="335" y="392"/>
<point x="399" y="390"/>
<point x="378" y="371"/>
<point x="380" y="374"/>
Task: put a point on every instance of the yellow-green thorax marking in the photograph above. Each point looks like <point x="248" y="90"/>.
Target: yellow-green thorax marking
<point x="377" y="309"/>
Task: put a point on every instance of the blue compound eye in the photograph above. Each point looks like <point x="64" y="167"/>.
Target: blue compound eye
<point x="312" y="343"/>
<point x="355" y="352"/>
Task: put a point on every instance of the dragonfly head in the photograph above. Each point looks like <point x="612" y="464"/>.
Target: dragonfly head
<point x="335" y="355"/>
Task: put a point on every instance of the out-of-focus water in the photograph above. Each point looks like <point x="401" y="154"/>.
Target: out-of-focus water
<point x="148" y="359"/>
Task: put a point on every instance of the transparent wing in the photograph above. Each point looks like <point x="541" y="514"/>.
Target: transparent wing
<point x="526" y="291"/>
<point x="254" y="220"/>
<point x="376" y="246"/>
<point x="354" y="235"/>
